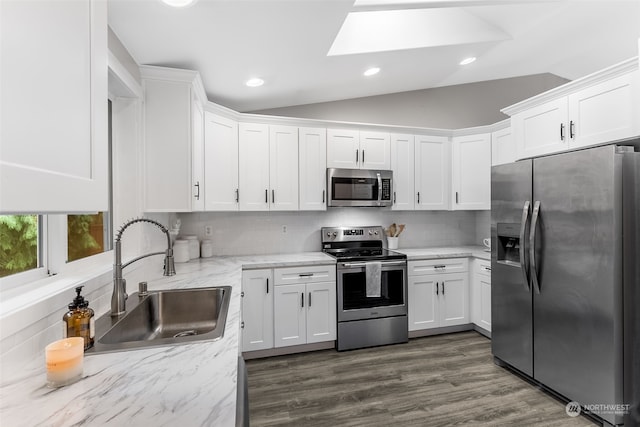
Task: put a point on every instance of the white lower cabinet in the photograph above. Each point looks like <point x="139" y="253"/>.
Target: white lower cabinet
<point x="257" y="309"/>
<point x="305" y="305"/>
<point x="438" y="293"/>
<point x="481" y="294"/>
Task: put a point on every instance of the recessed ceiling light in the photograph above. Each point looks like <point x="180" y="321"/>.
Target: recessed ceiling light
<point x="372" y="71"/>
<point x="179" y="3"/>
<point x="255" y="82"/>
<point x="468" y="60"/>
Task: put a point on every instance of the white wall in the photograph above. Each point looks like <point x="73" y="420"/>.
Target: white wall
<point x="245" y="233"/>
<point x="449" y="107"/>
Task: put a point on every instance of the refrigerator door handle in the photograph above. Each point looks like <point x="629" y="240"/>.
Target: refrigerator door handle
<point x="523" y="227"/>
<point x="532" y="246"/>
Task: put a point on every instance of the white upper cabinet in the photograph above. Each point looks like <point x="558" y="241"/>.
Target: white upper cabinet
<point x="312" y="160"/>
<point x="171" y="126"/>
<point x="608" y="111"/>
<point x="343" y="148"/>
<point x="471" y="177"/>
<point x="432" y="172"/>
<point x="403" y="166"/>
<point x="253" y="166"/>
<point x="503" y="147"/>
<point x="542" y="129"/>
<point x="53" y="137"/>
<point x="283" y="168"/>
<point x="597" y="109"/>
<point x="197" y="179"/>
<point x="221" y="163"/>
<point x="375" y="150"/>
<point x="353" y="149"/>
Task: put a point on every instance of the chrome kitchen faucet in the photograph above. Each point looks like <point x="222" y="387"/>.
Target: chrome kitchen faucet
<point x="119" y="296"/>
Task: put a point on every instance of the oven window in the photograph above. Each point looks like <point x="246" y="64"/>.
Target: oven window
<point x="355" y="189"/>
<point x="355" y="290"/>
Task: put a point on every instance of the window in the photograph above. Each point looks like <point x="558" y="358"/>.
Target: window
<point x="19" y="243"/>
<point x="25" y="240"/>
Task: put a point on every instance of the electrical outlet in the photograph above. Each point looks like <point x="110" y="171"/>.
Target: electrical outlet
<point x="284" y="228"/>
<point x="208" y="230"/>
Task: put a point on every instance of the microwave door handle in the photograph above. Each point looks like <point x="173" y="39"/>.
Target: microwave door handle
<point x="379" y="187"/>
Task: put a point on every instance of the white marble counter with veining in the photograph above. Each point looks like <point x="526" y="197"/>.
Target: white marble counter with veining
<point x="446" y="252"/>
<point x="188" y="384"/>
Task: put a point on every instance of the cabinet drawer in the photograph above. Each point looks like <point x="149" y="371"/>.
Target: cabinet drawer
<point x="316" y="273"/>
<point x="483" y="268"/>
<point x="438" y="266"/>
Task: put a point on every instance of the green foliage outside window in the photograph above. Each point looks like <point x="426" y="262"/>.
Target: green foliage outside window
<point x="84" y="236"/>
<point x="18" y="243"/>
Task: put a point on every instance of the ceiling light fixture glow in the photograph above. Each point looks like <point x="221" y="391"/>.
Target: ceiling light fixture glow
<point x="255" y="82"/>
<point x="372" y="71"/>
<point x="467" y="61"/>
<point x="179" y="3"/>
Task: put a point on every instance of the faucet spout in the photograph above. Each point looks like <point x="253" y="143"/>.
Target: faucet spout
<point x="119" y="295"/>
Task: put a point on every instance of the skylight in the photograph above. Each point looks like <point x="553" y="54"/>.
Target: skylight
<point x="381" y="31"/>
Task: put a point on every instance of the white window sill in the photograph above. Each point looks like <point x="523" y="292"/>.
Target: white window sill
<point x="31" y="302"/>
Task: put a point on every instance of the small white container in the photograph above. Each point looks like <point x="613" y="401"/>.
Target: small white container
<point x="194" y="246"/>
<point x="181" y="250"/>
<point x="206" y="249"/>
<point x="392" y="242"/>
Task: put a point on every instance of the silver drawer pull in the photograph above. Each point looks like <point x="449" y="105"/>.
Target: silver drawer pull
<point x="440" y="267"/>
<point x="305" y="274"/>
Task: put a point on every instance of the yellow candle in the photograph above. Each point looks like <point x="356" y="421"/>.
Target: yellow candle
<point x="64" y="361"/>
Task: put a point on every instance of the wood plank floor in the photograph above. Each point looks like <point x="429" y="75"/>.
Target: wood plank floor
<point x="445" y="380"/>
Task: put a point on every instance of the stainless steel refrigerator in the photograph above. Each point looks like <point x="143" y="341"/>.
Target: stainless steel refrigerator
<point x="564" y="261"/>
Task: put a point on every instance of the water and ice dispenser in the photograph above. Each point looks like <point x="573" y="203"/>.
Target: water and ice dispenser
<point x="508" y="243"/>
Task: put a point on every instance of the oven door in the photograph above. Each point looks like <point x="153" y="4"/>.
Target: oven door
<point x="353" y="303"/>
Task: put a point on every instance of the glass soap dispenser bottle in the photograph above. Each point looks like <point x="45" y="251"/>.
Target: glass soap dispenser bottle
<point x="79" y="320"/>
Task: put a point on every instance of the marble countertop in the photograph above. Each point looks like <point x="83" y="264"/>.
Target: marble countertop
<point x="188" y="384"/>
<point x="446" y="252"/>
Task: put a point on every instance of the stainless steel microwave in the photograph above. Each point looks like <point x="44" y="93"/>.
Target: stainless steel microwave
<point x="359" y="187"/>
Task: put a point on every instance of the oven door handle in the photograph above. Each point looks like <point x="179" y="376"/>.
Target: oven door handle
<point x="363" y="264"/>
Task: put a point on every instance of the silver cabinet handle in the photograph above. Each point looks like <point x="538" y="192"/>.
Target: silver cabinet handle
<point x="523" y="253"/>
<point x="532" y="246"/>
<point x="571" y="129"/>
<point x="302" y="299"/>
<point x="266" y="196"/>
<point x="197" y="196"/>
<point x="273" y="196"/>
<point x="305" y="274"/>
<point x="418" y="197"/>
<point x="237" y="195"/>
<point x="309" y="299"/>
<point x="443" y="288"/>
<point x="323" y="196"/>
<point x="267" y="285"/>
<point x="437" y="292"/>
<point x="357" y="157"/>
<point x="457" y="202"/>
<point x="394" y="197"/>
<point x="561" y="131"/>
<point x="363" y="157"/>
<point x="440" y="267"/>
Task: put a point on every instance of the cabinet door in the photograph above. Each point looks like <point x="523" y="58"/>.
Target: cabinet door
<point x="471" y="177"/>
<point x="167" y="146"/>
<point x="343" y="148"/>
<point x="403" y="164"/>
<point x="283" y="168"/>
<point x="221" y="163"/>
<point x="432" y="172"/>
<point x="197" y="169"/>
<point x="542" y="129"/>
<point x="454" y="299"/>
<point x="253" y="167"/>
<point x="485" y="302"/>
<point x="312" y="155"/>
<point x="423" y="302"/>
<point x="290" y="315"/>
<point x="375" y="150"/>
<point x="321" y="312"/>
<point x="503" y="147"/>
<point x="53" y="107"/>
<point x="605" y="112"/>
<point x="257" y="310"/>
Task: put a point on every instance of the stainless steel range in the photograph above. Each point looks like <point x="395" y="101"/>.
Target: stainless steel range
<point x="372" y="287"/>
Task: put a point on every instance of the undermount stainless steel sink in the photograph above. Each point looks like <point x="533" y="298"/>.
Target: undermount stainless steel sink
<point x="165" y="317"/>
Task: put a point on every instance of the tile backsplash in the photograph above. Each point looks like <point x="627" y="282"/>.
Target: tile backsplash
<point x="247" y="233"/>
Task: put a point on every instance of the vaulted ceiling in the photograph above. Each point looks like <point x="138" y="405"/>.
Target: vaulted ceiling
<point x="417" y="44"/>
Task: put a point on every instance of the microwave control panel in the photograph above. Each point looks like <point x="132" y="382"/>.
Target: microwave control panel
<point x="386" y="189"/>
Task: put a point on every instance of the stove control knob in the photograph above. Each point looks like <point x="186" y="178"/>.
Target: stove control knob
<point x="328" y="234"/>
<point x="370" y="232"/>
<point x="375" y="232"/>
<point x="335" y="234"/>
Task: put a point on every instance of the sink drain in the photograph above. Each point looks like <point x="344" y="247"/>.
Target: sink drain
<point x="185" y="333"/>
